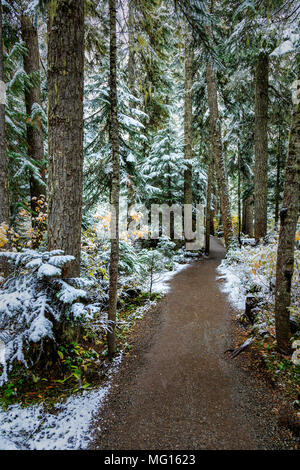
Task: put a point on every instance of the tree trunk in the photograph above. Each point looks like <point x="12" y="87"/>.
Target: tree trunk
<point x="247" y="223"/>
<point x="215" y="132"/>
<point x="261" y="147"/>
<point x="239" y="194"/>
<point x="65" y="115"/>
<point x="34" y="130"/>
<point x="115" y="182"/>
<point x="209" y="214"/>
<point x="131" y="85"/>
<point x="188" y="119"/>
<point x="277" y="188"/>
<point x="286" y="244"/>
<point x="4" y="189"/>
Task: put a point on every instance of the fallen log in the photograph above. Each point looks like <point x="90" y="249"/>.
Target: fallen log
<point x="237" y="351"/>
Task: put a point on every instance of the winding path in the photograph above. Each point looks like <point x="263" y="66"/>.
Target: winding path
<point x="178" y="391"/>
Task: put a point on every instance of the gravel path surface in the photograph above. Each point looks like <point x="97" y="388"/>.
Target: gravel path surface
<point x="176" y="390"/>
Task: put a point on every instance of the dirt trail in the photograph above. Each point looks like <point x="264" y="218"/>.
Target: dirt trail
<point x="178" y="391"/>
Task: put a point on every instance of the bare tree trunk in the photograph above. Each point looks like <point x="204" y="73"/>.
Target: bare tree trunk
<point x="131" y="83"/>
<point x="286" y="244"/>
<point x="34" y="130"/>
<point x="247" y="224"/>
<point x="215" y="132"/>
<point x="277" y="188"/>
<point x="261" y="147"/>
<point x="65" y="115"/>
<point x="213" y="199"/>
<point x="209" y="214"/>
<point x="4" y="188"/>
<point x="239" y="194"/>
<point x="115" y="183"/>
<point x="188" y="119"/>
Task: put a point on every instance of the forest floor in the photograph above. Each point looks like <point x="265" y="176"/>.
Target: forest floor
<point x="177" y="390"/>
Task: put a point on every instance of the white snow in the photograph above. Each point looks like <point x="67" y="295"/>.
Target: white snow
<point x="231" y="285"/>
<point x="252" y="269"/>
<point x="2" y="352"/>
<point x="284" y="48"/>
<point x="161" y="281"/>
<point x="66" y="428"/>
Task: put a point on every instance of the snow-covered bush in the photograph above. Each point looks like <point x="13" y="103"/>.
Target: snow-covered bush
<point x="253" y="270"/>
<point x="35" y="301"/>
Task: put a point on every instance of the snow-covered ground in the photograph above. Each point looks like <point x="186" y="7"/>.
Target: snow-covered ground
<point x="161" y="281"/>
<point x="68" y="426"/>
<point x="232" y="286"/>
<point x="35" y="428"/>
<point x="253" y="270"/>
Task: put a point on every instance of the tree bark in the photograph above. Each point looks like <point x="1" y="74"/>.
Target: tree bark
<point x="188" y="119"/>
<point x="239" y="194"/>
<point x="35" y="140"/>
<point x="215" y="132"/>
<point x="65" y="116"/>
<point x="4" y="184"/>
<point x="278" y="171"/>
<point x="247" y="221"/>
<point x="286" y="244"/>
<point x="115" y="182"/>
<point x="131" y="85"/>
<point x="209" y="213"/>
<point x="261" y="147"/>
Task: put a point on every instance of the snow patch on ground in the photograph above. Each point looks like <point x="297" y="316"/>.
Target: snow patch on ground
<point x="66" y="428"/>
<point x="161" y="281"/>
<point x="232" y="285"/>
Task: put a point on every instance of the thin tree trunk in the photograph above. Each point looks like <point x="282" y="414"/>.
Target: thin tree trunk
<point x="188" y="119"/>
<point x="209" y="215"/>
<point x="277" y="188"/>
<point x="239" y="194"/>
<point x="65" y="116"/>
<point x="4" y="188"/>
<point x="247" y="224"/>
<point x="131" y="86"/>
<point x="213" y="200"/>
<point x="261" y="147"/>
<point x="115" y="183"/>
<point x="34" y="130"/>
<point x="215" y="132"/>
<point x="286" y="244"/>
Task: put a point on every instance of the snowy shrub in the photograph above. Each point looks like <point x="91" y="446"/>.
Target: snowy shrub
<point x="35" y="300"/>
<point x="253" y="270"/>
<point x="138" y="267"/>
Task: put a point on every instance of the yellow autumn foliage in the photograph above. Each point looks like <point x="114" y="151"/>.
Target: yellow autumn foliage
<point x="3" y="234"/>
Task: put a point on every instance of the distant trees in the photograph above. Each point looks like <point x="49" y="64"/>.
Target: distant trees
<point x="65" y="116"/>
<point x="159" y="125"/>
